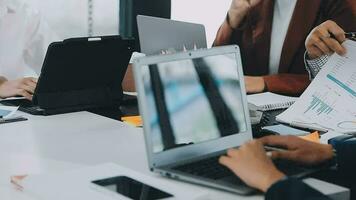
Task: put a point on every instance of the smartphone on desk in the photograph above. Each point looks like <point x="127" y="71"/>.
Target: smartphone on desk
<point x="131" y="188"/>
<point x="281" y="129"/>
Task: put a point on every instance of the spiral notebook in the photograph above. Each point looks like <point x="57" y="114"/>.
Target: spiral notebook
<point x="269" y="101"/>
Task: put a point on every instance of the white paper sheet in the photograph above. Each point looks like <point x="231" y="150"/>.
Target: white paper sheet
<point x="330" y="100"/>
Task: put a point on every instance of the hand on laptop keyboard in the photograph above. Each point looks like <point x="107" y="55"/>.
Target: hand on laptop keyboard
<point x="24" y="87"/>
<point x="252" y="165"/>
<point x="299" y="150"/>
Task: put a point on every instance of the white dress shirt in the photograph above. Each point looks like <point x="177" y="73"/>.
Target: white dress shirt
<point x="24" y="39"/>
<point x="283" y="12"/>
<point x="72" y="18"/>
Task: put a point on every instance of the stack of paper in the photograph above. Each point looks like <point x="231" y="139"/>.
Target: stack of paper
<point x="329" y="103"/>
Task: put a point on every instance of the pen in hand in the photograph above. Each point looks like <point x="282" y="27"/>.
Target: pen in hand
<point x="348" y="35"/>
<point x="351" y="35"/>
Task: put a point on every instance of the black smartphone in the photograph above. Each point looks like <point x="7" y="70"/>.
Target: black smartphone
<point x="281" y="129"/>
<point x="131" y="188"/>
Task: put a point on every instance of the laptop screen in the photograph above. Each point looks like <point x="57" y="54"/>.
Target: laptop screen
<point x="193" y="100"/>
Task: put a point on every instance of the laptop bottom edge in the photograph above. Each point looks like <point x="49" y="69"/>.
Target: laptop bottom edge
<point x="220" y="184"/>
<point x="229" y="183"/>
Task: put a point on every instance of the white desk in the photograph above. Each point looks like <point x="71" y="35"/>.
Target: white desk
<point x="57" y="143"/>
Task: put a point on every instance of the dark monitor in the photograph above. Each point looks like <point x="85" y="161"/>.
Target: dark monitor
<point x="129" y="9"/>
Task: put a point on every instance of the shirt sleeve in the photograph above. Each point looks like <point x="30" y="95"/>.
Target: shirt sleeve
<point x="313" y="66"/>
<point x="39" y="36"/>
<point x="346" y="165"/>
<point x="293" y="189"/>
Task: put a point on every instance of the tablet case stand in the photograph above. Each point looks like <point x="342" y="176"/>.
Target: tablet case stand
<point x="83" y="73"/>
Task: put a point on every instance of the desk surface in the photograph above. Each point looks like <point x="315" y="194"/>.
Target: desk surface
<point x="67" y="141"/>
<point x="36" y="145"/>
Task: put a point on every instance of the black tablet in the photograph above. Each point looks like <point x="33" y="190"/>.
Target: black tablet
<point x="82" y="73"/>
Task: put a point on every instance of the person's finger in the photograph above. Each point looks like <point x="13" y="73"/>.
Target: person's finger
<point x="30" y="97"/>
<point x="334" y="45"/>
<point x="32" y="85"/>
<point x="269" y="154"/>
<point x="232" y="153"/>
<point x="285" y="155"/>
<point x="24" y="93"/>
<point x="254" y="144"/>
<point x="29" y="89"/>
<point x="33" y="79"/>
<point x="314" y="52"/>
<point x="328" y="34"/>
<point x="336" y="31"/>
<point x="316" y="40"/>
<point x="275" y="140"/>
<point x="322" y="46"/>
<point x="227" y="162"/>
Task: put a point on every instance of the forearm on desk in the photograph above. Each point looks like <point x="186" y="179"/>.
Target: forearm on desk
<point x="288" y="84"/>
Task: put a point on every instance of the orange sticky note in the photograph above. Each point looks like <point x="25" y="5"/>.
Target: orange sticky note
<point x="313" y="137"/>
<point x="133" y="120"/>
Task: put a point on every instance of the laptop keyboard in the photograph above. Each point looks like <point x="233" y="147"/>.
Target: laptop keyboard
<point x="210" y="168"/>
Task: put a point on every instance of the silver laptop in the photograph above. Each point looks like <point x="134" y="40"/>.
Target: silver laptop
<point x="159" y="34"/>
<point x="194" y="108"/>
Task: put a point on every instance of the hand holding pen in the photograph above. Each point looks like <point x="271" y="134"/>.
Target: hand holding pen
<point x="326" y="39"/>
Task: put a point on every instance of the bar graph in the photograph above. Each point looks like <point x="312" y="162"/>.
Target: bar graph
<point x="330" y="100"/>
<point x="319" y="106"/>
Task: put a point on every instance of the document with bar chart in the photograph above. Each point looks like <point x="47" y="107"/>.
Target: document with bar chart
<point x="329" y="103"/>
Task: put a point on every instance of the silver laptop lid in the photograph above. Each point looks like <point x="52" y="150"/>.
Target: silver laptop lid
<point x="192" y="103"/>
<point x="159" y="34"/>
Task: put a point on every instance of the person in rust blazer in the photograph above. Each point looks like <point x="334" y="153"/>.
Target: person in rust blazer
<point x="249" y="25"/>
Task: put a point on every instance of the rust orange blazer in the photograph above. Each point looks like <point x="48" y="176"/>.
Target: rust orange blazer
<point x="254" y="36"/>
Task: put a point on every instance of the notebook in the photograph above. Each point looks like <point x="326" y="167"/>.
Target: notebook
<point x="269" y="101"/>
